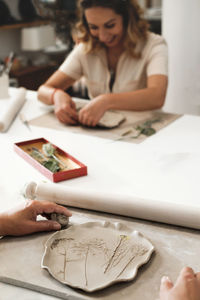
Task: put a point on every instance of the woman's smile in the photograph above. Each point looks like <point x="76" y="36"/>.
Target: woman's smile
<point x="112" y="39"/>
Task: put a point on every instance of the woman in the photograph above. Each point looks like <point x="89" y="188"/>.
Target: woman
<point x="124" y="65"/>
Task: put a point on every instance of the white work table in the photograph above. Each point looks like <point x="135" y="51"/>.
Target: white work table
<point x="164" y="167"/>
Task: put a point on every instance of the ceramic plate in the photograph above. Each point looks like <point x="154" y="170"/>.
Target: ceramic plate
<point x="110" y="119"/>
<point x="94" y="255"/>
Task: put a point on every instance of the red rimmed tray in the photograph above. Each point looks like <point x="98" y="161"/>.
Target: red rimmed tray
<point x="76" y="168"/>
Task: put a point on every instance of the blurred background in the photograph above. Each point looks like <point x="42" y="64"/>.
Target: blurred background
<point x="40" y="34"/>
<point x="27" y="27"/>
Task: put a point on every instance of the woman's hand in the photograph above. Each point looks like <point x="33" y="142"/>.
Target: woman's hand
<point x="65" y="109"/>
<point x="90" y="114"/>
<point x="187" y="286"/>
<point x="22" y="220"/>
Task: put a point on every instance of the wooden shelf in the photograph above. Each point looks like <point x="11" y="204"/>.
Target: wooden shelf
<point x="28" y="24"/>
<point x="32" y="77"/>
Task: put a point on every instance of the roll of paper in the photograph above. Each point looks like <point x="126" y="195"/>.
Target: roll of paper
<point x="126" y="205"/>
<point x="10" y="107"/>
<point x="4" y="85"/>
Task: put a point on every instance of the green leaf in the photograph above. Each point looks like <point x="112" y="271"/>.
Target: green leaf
<point x="146" y="128"/>
<point x="36" y="155"/>
<point x="48" y="149"/>
<point x="51" y="165"/>
<point x="150" y="122"/>
<point x="148" y="131"/>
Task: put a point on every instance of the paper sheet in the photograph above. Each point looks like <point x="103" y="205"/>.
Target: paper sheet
<point x="126" y="205"/>
<point x="126" y="131"/>
<point x="9" y="107"/>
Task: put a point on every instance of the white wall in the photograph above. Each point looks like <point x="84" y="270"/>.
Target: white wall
<point x="181" y="28"/>
<point x="9" y="41"/>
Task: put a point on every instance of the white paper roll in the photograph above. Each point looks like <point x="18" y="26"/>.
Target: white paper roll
<point x="126" y="205"/>
<point x="4" y="85"/>
<point x="10" y="107"/>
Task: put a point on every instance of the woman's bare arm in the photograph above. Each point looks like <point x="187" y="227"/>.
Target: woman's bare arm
<point x="152" y="97"/>
<point x="149" y="98"/>
<point x="58" y="80"/>
<point x="53" y="92"/>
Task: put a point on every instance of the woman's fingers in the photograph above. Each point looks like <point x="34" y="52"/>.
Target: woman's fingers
<point x="186" y="274"/>
<point x="198" y="276"/>
<point x="165" y="287"/>
<point x="43" y="225"/>
<point x="46" y="207"/>
<point x="72" y="113"/>
<point x="65" y="109"/>
<point x="65" y="118"/>
<point x="86" y="119"/>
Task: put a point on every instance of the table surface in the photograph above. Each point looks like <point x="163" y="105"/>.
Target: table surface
<point x="165" y="166"/>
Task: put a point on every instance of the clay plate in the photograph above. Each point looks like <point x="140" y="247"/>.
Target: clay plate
<point x="110" y="119"/>
<point x="94" y="255"/>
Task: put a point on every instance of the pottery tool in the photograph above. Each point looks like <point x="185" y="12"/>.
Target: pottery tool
<point x="1" y="69"/>
<point x="61" y="219"/>
<point x="24" y="121"/>
<point x="9" y="62"/>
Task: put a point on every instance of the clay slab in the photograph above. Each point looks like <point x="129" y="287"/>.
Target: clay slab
<point x="110" y="119"/>
<point x="94" y="255"/>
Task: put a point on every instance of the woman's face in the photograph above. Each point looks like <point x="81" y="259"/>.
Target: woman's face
<point x="105" y="25"/>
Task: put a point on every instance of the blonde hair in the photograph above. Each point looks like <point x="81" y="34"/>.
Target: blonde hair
<point x="136" y="28"/>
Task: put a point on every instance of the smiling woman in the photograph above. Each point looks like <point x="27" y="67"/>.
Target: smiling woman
<point x="124" y="65"/>
<point x="126" y="18"/>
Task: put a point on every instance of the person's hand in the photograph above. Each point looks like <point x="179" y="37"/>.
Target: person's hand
<point x="22" y="219"/>
<point x="65" y="109"/>
<point x="90" y="114"/>
<point x="187" y="286"/>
